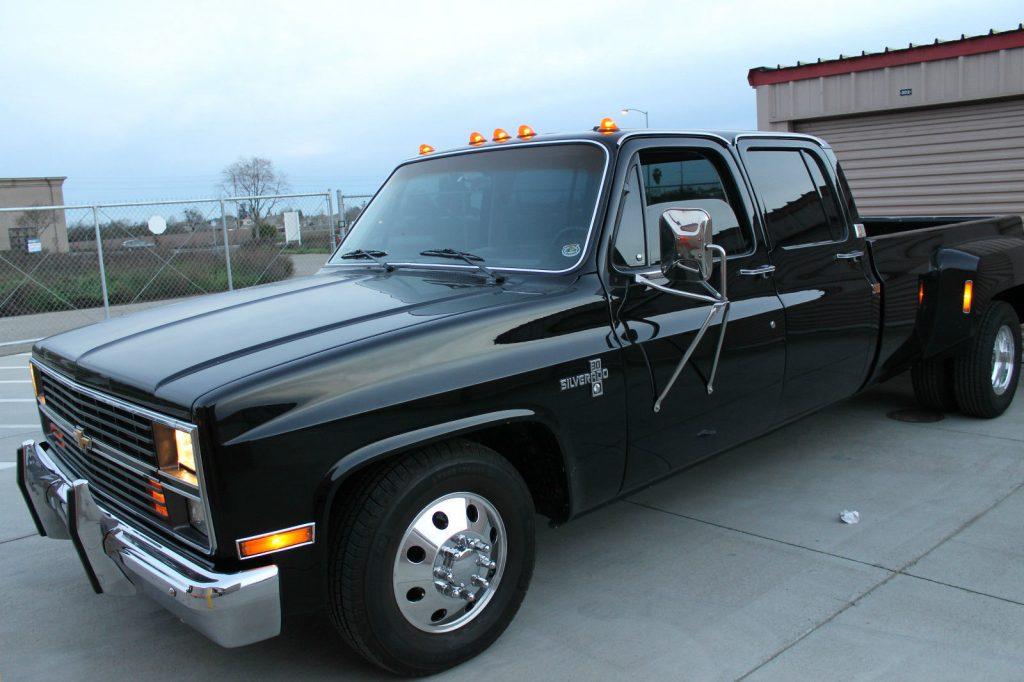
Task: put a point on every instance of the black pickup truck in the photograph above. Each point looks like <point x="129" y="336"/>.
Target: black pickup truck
<point x="531" y="324"/>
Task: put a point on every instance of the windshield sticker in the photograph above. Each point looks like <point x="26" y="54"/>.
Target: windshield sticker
<point x="571" y="250"/>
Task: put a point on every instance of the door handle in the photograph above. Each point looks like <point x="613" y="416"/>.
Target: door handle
<point x="851" y="256"/>
<point x="762" y="271"/>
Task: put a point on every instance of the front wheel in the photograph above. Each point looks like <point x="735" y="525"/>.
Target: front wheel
<point x="431" y="558"/>
<point x="986" y="372"/>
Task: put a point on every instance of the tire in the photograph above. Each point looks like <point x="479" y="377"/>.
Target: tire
<point x="372" y="557"/>
<point x="980" y="390"/>
<point x="933" y="385"/>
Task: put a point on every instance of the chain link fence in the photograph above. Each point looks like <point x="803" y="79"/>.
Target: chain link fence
<point x="349" y="208"/>
<point x="62" y="267"/>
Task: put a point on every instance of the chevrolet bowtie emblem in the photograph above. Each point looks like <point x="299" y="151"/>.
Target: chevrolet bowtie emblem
<point x="83" y="440"/>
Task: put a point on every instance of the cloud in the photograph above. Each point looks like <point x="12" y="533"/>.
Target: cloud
<point x="123" y="95"/>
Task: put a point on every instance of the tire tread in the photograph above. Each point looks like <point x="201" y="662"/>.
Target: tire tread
<point x="933" y="384"/>
<point x="972" y="365"/>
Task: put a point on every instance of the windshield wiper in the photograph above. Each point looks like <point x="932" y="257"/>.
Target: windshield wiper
<point x="471" y="258"/>
<point x="370" y="254"/>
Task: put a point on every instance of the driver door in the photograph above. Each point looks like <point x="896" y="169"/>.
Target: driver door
<point x="656" y="328"/>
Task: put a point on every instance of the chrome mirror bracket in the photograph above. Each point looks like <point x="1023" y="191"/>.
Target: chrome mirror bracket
<point x="719" y="304"/>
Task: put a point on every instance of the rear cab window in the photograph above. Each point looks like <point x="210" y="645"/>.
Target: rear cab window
<point x="800" y="205"/>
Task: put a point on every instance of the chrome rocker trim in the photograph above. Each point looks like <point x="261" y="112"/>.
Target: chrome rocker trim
<point x="232" y="609"/>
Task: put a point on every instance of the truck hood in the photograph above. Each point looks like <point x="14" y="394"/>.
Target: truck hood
<point x="168" y="356"/>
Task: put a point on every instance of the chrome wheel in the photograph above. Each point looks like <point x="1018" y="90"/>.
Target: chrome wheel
<point x="450" y="562"/>
<point x="1004" y="358"/>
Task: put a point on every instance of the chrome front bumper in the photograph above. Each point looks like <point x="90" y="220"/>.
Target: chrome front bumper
<point x="232" y="609"/>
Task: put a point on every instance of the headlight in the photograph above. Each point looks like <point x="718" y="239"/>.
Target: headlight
<point x="176" y="452"/>
<point x="186" y="455"/>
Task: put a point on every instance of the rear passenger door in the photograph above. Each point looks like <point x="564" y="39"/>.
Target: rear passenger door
<point x="820" y="273"/>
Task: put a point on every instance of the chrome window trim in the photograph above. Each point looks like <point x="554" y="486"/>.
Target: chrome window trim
<point x="238" y="543"/>
<point x="520" y="145"/>
<point x="140" y="468"/>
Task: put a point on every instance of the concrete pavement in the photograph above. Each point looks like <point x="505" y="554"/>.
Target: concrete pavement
<point x="735" y="569"/>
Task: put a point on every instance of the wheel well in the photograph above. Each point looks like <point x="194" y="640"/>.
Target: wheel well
<point x="531" y="448"/>
<point x="1015" y="297"/>
<point x="534" y="451"/>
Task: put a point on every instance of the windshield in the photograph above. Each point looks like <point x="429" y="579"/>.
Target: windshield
<point x="527" y="207"/>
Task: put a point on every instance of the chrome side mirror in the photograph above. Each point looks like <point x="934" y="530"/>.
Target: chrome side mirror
<point x="685" y="236"/>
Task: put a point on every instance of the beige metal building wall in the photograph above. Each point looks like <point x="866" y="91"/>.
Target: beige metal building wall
<point x="933" y="129"/>
<point x="953" y="160"/>
<point x="47" y="226"/>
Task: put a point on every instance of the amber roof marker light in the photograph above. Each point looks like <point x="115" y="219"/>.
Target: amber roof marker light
<point x="526" y="132"/>
<point x="476" y="139"/>
<point x="426" y="149"/>
<point x="501" y="135"/>
<point x="606" y="126"/>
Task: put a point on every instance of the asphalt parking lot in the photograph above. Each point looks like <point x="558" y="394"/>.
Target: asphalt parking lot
<point x="738" y="568"/>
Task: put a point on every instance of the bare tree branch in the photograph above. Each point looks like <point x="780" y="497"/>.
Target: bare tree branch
<point x="254" y="176"/>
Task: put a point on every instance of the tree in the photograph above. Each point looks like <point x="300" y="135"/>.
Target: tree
<point x="253" y="177"/>
<point x="352" y="213"/>
<point x="193" y="219"/>
<point x="40" y="221"/>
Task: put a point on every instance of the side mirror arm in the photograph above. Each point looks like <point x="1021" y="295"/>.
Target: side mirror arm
<point x="719" y="302"/>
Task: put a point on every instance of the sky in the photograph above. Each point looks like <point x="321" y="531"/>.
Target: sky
<point x="149" y="100"/>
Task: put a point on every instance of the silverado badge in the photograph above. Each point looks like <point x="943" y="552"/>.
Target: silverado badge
<point x="595" y="378"/>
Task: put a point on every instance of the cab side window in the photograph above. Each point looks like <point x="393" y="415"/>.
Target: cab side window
<point x="630" y="243"/>
<point x="799" y="204"/>
<point x="690" y="178"/>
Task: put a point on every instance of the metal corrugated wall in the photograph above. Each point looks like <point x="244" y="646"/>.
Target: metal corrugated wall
<point x="951" y="160"/>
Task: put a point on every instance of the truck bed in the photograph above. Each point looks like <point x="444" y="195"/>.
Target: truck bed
<point x="881" y="226"/>
<point x="905" y="251"/>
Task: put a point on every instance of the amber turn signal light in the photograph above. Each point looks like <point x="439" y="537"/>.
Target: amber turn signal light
<point x="275" y="542"/>
<point x="607" y="125"/>
<point x="501" y="135"/>
<point x="526" y="132"/>
<point x="426" y="149"/>
<point x="476" y="138"/>
<point x="920" y="292"/>
<point x="968" y="295"/>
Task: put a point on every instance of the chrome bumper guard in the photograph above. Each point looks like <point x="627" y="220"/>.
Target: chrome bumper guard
<point x="232" y="609"/>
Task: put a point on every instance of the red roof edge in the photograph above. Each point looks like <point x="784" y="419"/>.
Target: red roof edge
<point x="993" y="42"/>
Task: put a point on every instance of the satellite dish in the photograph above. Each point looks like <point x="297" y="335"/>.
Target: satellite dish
<point x="157" y="224"/>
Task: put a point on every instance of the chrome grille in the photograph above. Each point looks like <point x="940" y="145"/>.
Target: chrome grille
<point x="110" y="443"/>
<point x="130" y="433"/>
<point x="112" y="483"/>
